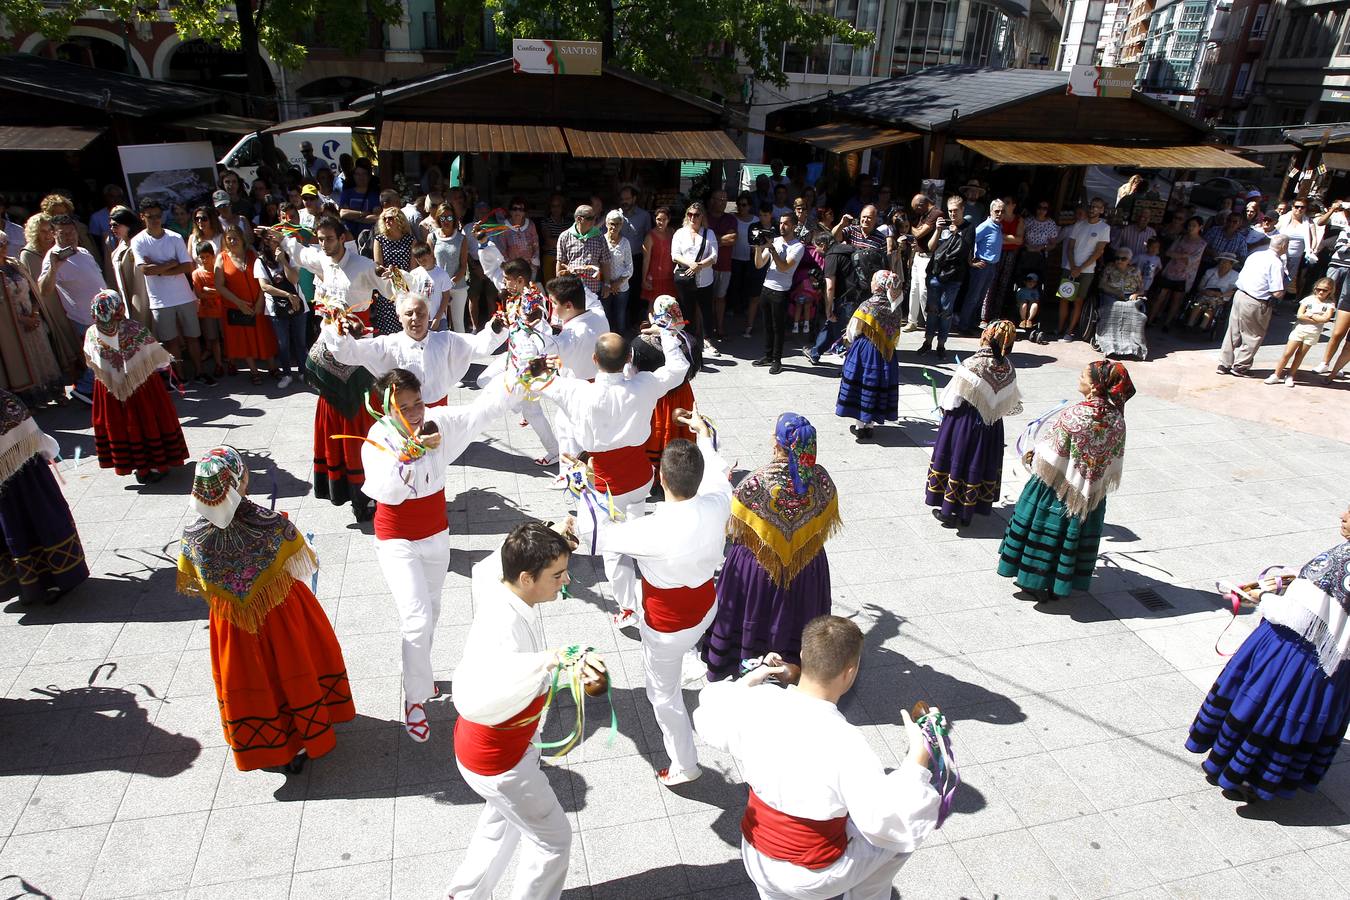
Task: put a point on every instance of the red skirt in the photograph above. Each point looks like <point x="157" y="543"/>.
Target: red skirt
<point x="664" y="427"/>
<point x="139" y="433"/>
<point x="338" y="472"/>
<point x="280" y="690"/>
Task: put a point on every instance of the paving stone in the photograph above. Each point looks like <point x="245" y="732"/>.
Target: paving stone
<point x="249" y="841"/>
<point x="53" y="863"/>
<point x="141" y="856"/>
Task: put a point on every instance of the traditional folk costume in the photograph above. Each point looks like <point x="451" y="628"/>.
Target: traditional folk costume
<point x="406" y="479"/>
<point x="678" y="547"/>
<point x="280" y="678"/>
<point x="501" y="688"/>
<point x="612" y="421"/>
<point x="824" y="817"/>
<point x="28" y="363"/>
<point x="1278" y="711"/>
<point x="869" y="386"/>
<point x="647" y="357"/>
<point x="966" y="472"/>
<point x="136" y="428"/>
<point x="776" y="577"/>
<point x="41" y="548"/>
<point x="1052" y="539"/>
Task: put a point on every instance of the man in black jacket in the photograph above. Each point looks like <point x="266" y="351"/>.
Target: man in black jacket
<point x="951" y="245"/>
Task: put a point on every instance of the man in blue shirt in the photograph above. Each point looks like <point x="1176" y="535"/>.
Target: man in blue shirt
<point x="983" y="267"/>
<point x="359" y="202"/>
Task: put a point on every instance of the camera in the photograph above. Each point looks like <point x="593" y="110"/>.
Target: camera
<point x="757" y="235"/>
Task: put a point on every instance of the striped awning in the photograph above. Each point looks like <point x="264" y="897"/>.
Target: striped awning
<point x="682" y="145"/>
<point x="468" y="137"/>
<point x="47" y="137"/>
<point x="1037" y="153"/>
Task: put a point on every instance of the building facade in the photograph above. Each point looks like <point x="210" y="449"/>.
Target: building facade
<point x="1136" y="32"/>
<point x="1303" y="71"/>
<point x="1112" y="37"/>
<point x="1174" y="50"/>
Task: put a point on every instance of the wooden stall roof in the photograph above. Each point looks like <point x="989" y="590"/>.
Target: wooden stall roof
<point x="846" y="137"/>
<point x="708" y="145"/>
<point x="47" y="137"/>
<point x="322" y="120"/>
<point x="1338" y="161"/>
<point x="222" y="122"/>
<point x="468" y="137"/>
<point x="1039" y="153"/>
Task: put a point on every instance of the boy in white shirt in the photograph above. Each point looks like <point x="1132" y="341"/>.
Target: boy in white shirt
<point x="1314" y="311"/>
<point x="1149" y="262"/>
<point x="432" y="282"/>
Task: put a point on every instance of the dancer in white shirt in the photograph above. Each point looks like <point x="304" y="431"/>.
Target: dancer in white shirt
<point x="348" y="277"/>
<point x="679" y="548"/>
<point x="611" y="420"/>
<point x="405" y="457"/>
<point x="824" y="817"/>
<point x="501" y="688"/>
<point x="574" y="345"/>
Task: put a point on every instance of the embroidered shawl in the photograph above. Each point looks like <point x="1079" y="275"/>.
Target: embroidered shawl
<point x="880" y="323"/>
<point x="1316" y="606"/>
<point x="345" y="387"/>
<point x="124" y="359"/>
<point x="245" y="570"/>
<point x="20" y="438"/>
<point x="986" y="383"/>
<point x="785" y="530"/>
<point x="1081" y="454"/>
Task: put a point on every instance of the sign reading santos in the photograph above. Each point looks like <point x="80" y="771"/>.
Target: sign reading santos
<point x="555" y="57"/>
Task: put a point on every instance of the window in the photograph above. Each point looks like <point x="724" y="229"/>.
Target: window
<point x="1261" y="22"/>
<point x="1242" y="85"/>
<point x="1345" y="44"/>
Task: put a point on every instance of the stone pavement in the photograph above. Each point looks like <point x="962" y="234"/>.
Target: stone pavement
<point x="1069" y="717"/>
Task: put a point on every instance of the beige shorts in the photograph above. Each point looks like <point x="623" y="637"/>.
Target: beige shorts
<point x="176" y="321"/>
<point x="1308" y="335"/>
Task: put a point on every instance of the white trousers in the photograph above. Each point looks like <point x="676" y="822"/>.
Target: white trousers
<point x="918" y="289"/>
<point x="864" y="872"/>
<point x="532" y="411"/>
<point x="415" y="572"/>
<point x="662" y="669"/>
<point x="619" y="569"/>
<point x="520" y="804"/>
<point x="459" y="302"/>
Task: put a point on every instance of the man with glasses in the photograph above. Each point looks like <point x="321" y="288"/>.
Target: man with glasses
<point x="76" y="276"/>
<point x="582" y="252"/>
<point x="983" y="267"/>
<point x="162" y="257"/>
<point x="1085" y="242"/>
<point x="1260" y="285"/>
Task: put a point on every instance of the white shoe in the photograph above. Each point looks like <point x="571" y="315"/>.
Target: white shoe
<point x="1289" y="381"/>
<point x="692" y="668"/>
<point x="671" y="779"/>
<point x="710" y="350"/>
<point x="1274" y="379"/>
<point x="284" y="383"/>
<point x="1323" y="368"/>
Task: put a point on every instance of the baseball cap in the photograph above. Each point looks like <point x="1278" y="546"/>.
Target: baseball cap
<point x="220" y="198"/>
<point x="1031" y="276"/>
<point x="309" y="190"/>
<point x="1228" y="256"/>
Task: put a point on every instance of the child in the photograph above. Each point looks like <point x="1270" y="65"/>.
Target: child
<point x="1314" y="311"/>
<point x="807" y="282"/>
<point x="432" y="282"/>
<point x="869" y="387"/>
<point x="1028" y="298"/>
<point x="1149" y="263"/>
<point x="208" y="302"/>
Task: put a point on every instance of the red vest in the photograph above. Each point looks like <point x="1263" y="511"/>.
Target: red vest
<point x="621" y="470"/>
<point x="494" y="749"/>
<point x="413" y="519"/>
<point x="809" y="843"/>
<point x="675" y="609"/>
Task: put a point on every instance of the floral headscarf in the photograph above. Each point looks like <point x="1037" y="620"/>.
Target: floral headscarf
<point x="883" y="280"/>
<point x="999" y="336"/>
<point x="666" y="313"/>
<point x="797" y="436"/>
<point x="1111" y="382"/>
<point x="215" y="486"/>
<point x="107" y="307"/>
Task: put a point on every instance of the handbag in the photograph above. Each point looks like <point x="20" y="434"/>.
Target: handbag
<point x="239" y="318"/>
<point x="683" y="275"/>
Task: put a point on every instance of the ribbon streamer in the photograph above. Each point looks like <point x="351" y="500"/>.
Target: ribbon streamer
<point x="928" y="377"/>
<point x="313" y="579"/>
<point x="78" y="452"/>
<point x="1239" y="595"/>
<point x="937" y="732"/>
<point x="573" y="664"/>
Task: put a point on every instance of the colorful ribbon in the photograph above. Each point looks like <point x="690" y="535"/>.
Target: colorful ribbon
<point x="928" y="377"/>
<point x="579" y="481"/>
<point x="1239" y="595"/>
<point x="313" y="579"/>
<point x="937" y="732"/>
<point x="1028" y="434"/>
<point x="573" y="664"/>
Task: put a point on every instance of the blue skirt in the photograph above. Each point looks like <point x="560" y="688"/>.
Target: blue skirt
<point x="40" y="550"/>
<point x="869" y="388"/>
<point x="966" y="472"/>
<point x="1273" y="719"/>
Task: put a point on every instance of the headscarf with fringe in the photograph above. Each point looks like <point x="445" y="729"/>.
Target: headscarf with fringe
<point x="1081" y="455"/>
<point x="215" y="485"/>
<point x="986" y="379"/>
<point x="1316" y="606"/>
<point x="878" y="317"/>
<point x="20" y="438"/>
<point x="122" y="352"/>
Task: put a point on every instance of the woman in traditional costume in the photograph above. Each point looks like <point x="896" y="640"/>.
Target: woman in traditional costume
<point x="1050" y="547"/>
<point x="869" y="388"/>
<point x="1278" y="711"/>
<point x="41" y="549"/>
<point x="136" y="428"/>
<point x="776" y="577"/>
<point x="280" y="678"/>
<point x="648" y="357"/>
<point x="965" y="476"/>
<point x="28" y="363"/>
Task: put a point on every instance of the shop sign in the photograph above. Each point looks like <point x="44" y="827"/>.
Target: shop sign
<point x="1102" y="81"/>
<point x="533" y="57"/>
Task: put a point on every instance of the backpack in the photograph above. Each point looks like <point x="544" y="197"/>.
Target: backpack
<point x="950" y="258"/>
<point x="866" y="263"/>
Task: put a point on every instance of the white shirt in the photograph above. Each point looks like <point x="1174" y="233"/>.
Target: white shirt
<point x="575" y="344"/>
<point x="431" y="283"/>
<point x="353" y="276"/>
<point x="439" y="360"/>
<point x="681" y="543"/>
<point x="77" y="281"/>
<point x="1086" y="236"/>
<point x="1262" y="275"/>
<point x="616" y="410"/>
<point x="684" y="244"/>
<point x="801" y="757"/>
<point x="17" y="240"/>
<point x="390" y="483"/>
<point x="1224" y="284"/>
<point x="261" y="273"/>
<point x="164" y="291"/>
<point x="774" y="279"/>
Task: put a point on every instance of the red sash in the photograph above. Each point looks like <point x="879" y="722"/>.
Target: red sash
<point x="675" y="609"/>
<point x="621" y="470"/>
<point x="494" y="749"/>
<point x="809" y="843"/>
<point x="444" y="401"/>
<point x="413" y="519"/>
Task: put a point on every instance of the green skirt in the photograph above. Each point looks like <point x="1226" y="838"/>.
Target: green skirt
<point x="1044" y="548"/>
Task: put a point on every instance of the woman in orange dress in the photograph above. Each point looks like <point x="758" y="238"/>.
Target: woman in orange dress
<point x="658" y="270"/>
<point x="280" y="677"/>
<point x="247" y="331"/>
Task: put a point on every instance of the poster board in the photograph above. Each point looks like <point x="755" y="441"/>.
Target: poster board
<point x="171" y="173"/>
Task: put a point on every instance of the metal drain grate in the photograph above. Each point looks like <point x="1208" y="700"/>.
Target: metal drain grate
<point x="1151" y="599"/>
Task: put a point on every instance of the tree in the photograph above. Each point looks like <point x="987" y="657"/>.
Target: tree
<point x="252" y="26"/>
<point x="692" y="44"/>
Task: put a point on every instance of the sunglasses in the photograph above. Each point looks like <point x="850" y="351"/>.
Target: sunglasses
<point x="517" y="209"/>
<point x="201" y="218"/>
<point x="1299" y="206"/>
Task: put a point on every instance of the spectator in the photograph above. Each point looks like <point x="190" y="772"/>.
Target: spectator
<point x="14" y="231"/>
<point x="1178" y="274"/>
<point x="121" y="269"/>
<point x="209" y="310"/>
<point x="1149" y="262"/>
<point x="973" y="193"/>
<point x="99" y="228"/>
<point x="1134" y="236"/>
<point x="450" y="249"/>
<point x="57" y="204"/>
<point x="658" y="269"/>
<point x="780" y="258"/>
<point x="1013" y="227"/>
<point x="693" y="249"/>
<point x="551" y="228"/>
<point x="1314" y="311"/>
<point x="29" y="362"/>
<point x="864" y="197"/>
<point x="310" y="164"/>
<point x="952" y="246"/>
<point x="1302" y="233"/>
<point x="1040" y="234"/>
<point x="985" y="256"/>
<point x="924" y="215"/>
<point x="1121" y="314"/>
<point x="620" y="270"/>
<point x="284" y="307"/>
<point x="520" y="240"/>
<point x="808" y="225"/>
<point x="246" y="337"/>
<point x="328" y="193"/>
<point x="582" y="252"/>
<point x="1215" y="291"/>
<point x="72" y="273"/>
<point x="866" y="234"/>
<point x="1028" y="298"/>
<point x="359" y="202"/>
<point x="743" y="271"/>
<point x="782" y="204"/>
<point x="227" y="216"/>
<point x="723" y="224"/>
<point x="1086" y="241"/>
<point x="39" y="237"/>
<point x="236" y="193"/>
<point x="1260" y="285"/>
<point x="428" y="279"/>
<point x="205" y="229"/>
<point x="1227" y="238"/>
<point x="392" y="250"/>
<point x="313" y="206"/>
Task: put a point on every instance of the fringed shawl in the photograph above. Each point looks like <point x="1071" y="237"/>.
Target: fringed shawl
<point x="1316" y="606"/>
<point x="123" y="361"/>
<point x="986" y="383"/>
<point x="20" y="438"/>
<point x="1081" y="454"/>
<point x="246" y="570"/>
<point x="785" y="530"/>
<point x="345" y="387"/>
<point x="880" y="323"/>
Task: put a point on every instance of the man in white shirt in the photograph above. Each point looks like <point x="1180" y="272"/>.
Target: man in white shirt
<point x="780" y="257"/>
<point x="162" y="257"/>
<point x="680" y="547"/>
<point x="1085" y="242"/>
<point x="824" y="816"/>
<point x="1260" y="285"/>
<point x="574" y="345"/>
<point x="76" y="276"/>
<point x="611" y="420"/>
<point x="349" y="279"/>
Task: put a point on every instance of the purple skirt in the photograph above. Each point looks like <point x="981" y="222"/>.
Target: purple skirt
<point x="40" y="550"/>
<point x="754" y="615"/>
<point x="966" y="474"/>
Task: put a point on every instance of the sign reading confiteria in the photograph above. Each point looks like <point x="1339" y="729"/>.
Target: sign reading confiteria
<point x="555" y="57"/>
<point x="1102" y="81"/>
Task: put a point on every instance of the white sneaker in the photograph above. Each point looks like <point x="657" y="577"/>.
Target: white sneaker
<point x="692" y="668"/>
<point x="1274" y="379"/>
<point x="710" y="350"/>
<point x="671" y="779"/>
<point x="1289" y="381"/>
<point x="284" y="383"/>
<point x="1323" y="368"/>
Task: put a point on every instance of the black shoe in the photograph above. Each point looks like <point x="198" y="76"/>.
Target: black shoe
<point x="862" y="433"/>
<point x="763" y="361"/>
<point x="941" y="350"/>
<point x="364" y="512"/>
<point x="925" y="348"/>
<point x="775" y="368"/>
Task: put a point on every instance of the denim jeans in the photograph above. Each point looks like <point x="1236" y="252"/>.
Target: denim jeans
<point x="290" y="332"/>
<point x="977" y="285"/>
<point x="941" y="300"/>
<point x="616" y="310"/>
<point x="830" y="331"/>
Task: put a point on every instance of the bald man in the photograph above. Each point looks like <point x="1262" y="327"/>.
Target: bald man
<point x="611" y="419"/>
